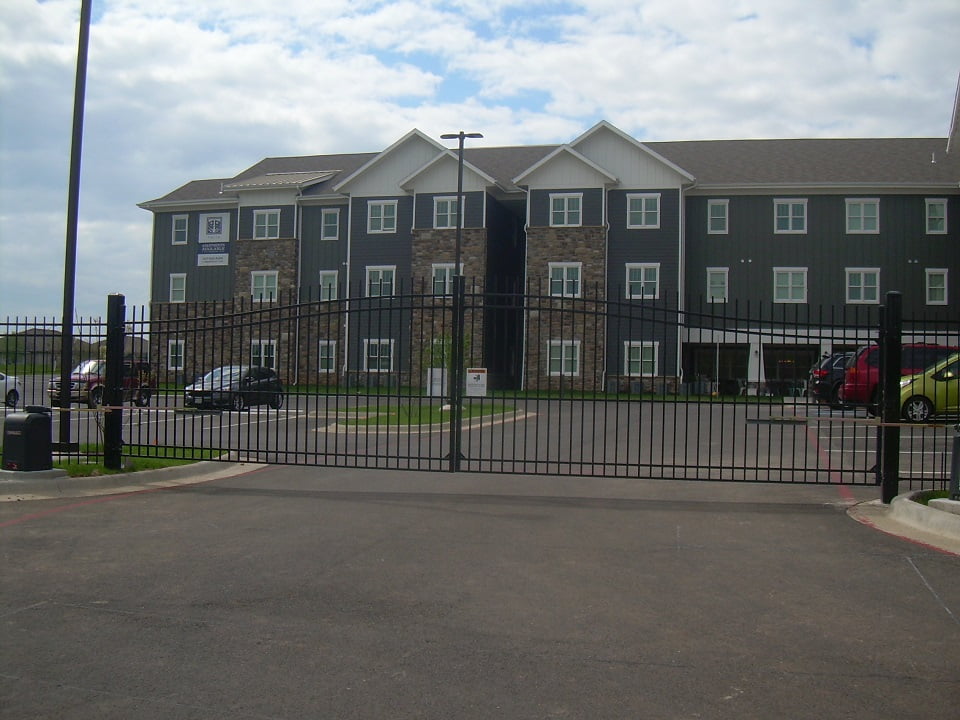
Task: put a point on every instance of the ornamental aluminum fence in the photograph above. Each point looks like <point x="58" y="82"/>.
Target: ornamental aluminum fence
<point x="561" y="380"/>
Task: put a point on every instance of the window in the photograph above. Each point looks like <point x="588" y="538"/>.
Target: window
<point x="789" y="285"/>
<point x="178" y="287"/>
<point x="380" y="280"/>
<point x="175" y="353"/>
<point x="328" y="356"/>
<point x="444" y="212"/>
<point x="179" y="230"/>
<point x="936" y="286"/>
<point x="936" y="216"/>
<point x="643" y="211"/>
<point x="263" y="286"/>
<point x="382" y="216"/>
<point x="266" y="224"/>
<point x="565" y="210"/>
<point x="717" y="213"/>
<point x="563" y="357"/>
<point x="328" y="284"/>
<point x="717" y="284"/>
<point x="378" y="355"/>
<point x="264" y="352"/>
<point x="643" y="281"/>
<point x="863" y="286"/>
<point x="329" y="224"/>
<point x="443" y="278"/>
<point x="790" y="216"/>
<point x="641" y="358"/>
<point x="565" y="279"/>
<point x="863" y="216"/>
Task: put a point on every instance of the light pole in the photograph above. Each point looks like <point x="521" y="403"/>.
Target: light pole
<point x="456" y="370"/>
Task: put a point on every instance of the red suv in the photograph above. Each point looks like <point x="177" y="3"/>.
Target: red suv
<point x="862" y="377"/>
<point x="87" y="378"/>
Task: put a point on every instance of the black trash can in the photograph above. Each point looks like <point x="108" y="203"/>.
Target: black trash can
<point x="26" y="439"/>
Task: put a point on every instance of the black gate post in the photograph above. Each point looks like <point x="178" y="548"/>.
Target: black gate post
<point x="456" y="372"/>
<point x="113" y="381"/>
<point x="889" y="401"/>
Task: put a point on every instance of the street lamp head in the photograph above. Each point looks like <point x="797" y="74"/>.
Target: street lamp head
<point x="460" y="135"/>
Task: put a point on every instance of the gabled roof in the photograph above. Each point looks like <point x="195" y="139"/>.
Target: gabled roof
<point x="296" y="180"/>
<point x="193" y="192"/>
<point x="563" y="150"/>
<point x="643" y="147"/>
<point x="378" y="157"/>
<point x="448" y="155"/>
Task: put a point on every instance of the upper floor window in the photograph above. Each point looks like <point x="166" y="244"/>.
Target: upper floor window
<point x="565" y="279"/>
<point x="378" y="355"/>
<point x="263" y="285"/>
<point x="643" y="210"/>
<point x="264" y="353"/>
<point x="790" y="285"/>
<point x="382" y="216"/>
<point x="380" y="280"/>
<point x="445" y="212"/>
<point x="175" y="354"/>
<point x="717" y="216"/>
<point x="936" y="216"/>
<point x="563" y="357"/>
<point x="790" y="216"/>
<point x="565" y="210"/>
<point x="442" y="278"/>
<point x="178" y="287"/>
<point x="717" y="284"/>
<point x="327" y="358"/>
<point x="936" y="286"/>
<point x="266" y="224"/>
<point x="643" y="281"/>
<point x="640" y="358"/>
<point x="863" y="286"/>
<point x="328" y="284"/>
<point x="179" y="230"/>
<point x="329" y="224"/>
<point x="863" y="216"/>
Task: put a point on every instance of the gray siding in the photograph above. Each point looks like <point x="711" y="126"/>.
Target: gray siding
<point x="317" y="254"/>
<point x="472" y="207"/>
<point x="288" y="215"/>
<point x="591" y="207"/>
<point x="661" y="245"/>
<point x="203" y="283"/>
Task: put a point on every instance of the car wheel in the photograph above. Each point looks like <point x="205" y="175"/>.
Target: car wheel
<point x="12" y="398"/>
<point x="95" y="398"/>
<point x="276" y="401"/>
<point x="237" y="402"/>
<point x="917" y="409"/>
<point x="142" y="398"/>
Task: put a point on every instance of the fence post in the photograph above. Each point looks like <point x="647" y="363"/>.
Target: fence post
<point x="456" y="373"/>
<point x="889" y="401"/>
<point x="113" y="383"/>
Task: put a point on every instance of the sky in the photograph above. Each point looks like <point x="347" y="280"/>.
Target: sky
<point x="180" y="90"/>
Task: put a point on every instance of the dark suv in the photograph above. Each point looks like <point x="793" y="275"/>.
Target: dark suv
<point x="826" y="378"/>
<point x="87" y="383"/>
<point x="862" y="378"/>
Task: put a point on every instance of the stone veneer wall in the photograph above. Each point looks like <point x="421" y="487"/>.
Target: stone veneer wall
<point x="265" y="255"/>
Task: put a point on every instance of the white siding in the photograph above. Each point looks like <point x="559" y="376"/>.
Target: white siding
<point x="632" y="166"/>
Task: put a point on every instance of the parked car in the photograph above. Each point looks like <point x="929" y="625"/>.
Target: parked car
<point x="862" y="377"/>
<point x="826" y="378"/>
<point x="935" y="391"/>
<point x="236" y="387"/>
<point x="12" y="389"/>
<point x="88" y="381"/>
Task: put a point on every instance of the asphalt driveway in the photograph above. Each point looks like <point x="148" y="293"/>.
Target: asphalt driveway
<point x="331" y="593"/>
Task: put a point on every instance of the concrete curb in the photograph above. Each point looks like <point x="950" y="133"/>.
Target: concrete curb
<point x="923" y="517"/>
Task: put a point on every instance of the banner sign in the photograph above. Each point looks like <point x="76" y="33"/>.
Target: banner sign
<point x="214" y="227"/>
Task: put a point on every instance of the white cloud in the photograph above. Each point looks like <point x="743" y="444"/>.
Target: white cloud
<point x="180" y="90"/>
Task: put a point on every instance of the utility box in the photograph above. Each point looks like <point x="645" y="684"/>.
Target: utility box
<point x="26" y="440"/>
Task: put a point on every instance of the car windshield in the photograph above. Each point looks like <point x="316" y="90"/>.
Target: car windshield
<point x="88" y="367"/>
<point x="222" y="374"/>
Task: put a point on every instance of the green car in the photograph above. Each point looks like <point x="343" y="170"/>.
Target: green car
<point x="935" y="391"/>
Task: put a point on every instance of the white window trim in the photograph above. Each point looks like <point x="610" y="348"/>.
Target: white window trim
<point x="790" y="201"/>
<point x="449" y="199"/>
<point x="790" y="301"/>
<point x="332" y="344"/>
<point x="861" y="201"/>
<point x="565" y="266"/>
<point x="725" y="204"/>
<point x="381" y="203"/>
<point x="182" y="345"/>
<point x="926" y="215"/>
<point x="642" y="296"/>
<point x="862" y="270"/>
<point x="335" y="292"/>
<point x="324" y="214"/>
<point x="726" y="284"/>
<point x="643" y="196"/>
<point x="366" y="353"/>
<point x="566" y="209"/>
<point x="261" y="344"/>
<point x="381" y="268"/>
<point x="178" y="276"/>
<point x="186" y="230"/>
<point x="261" y="213"/>
<point x="629" y="345"/>
<point x="265" y="274"/>
<point x="946" y="285"/>
<point x="563" y="345"/>
<point x="448" y="282"/>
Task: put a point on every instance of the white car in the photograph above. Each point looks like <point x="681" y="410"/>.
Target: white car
<point x="12" y="389"/>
